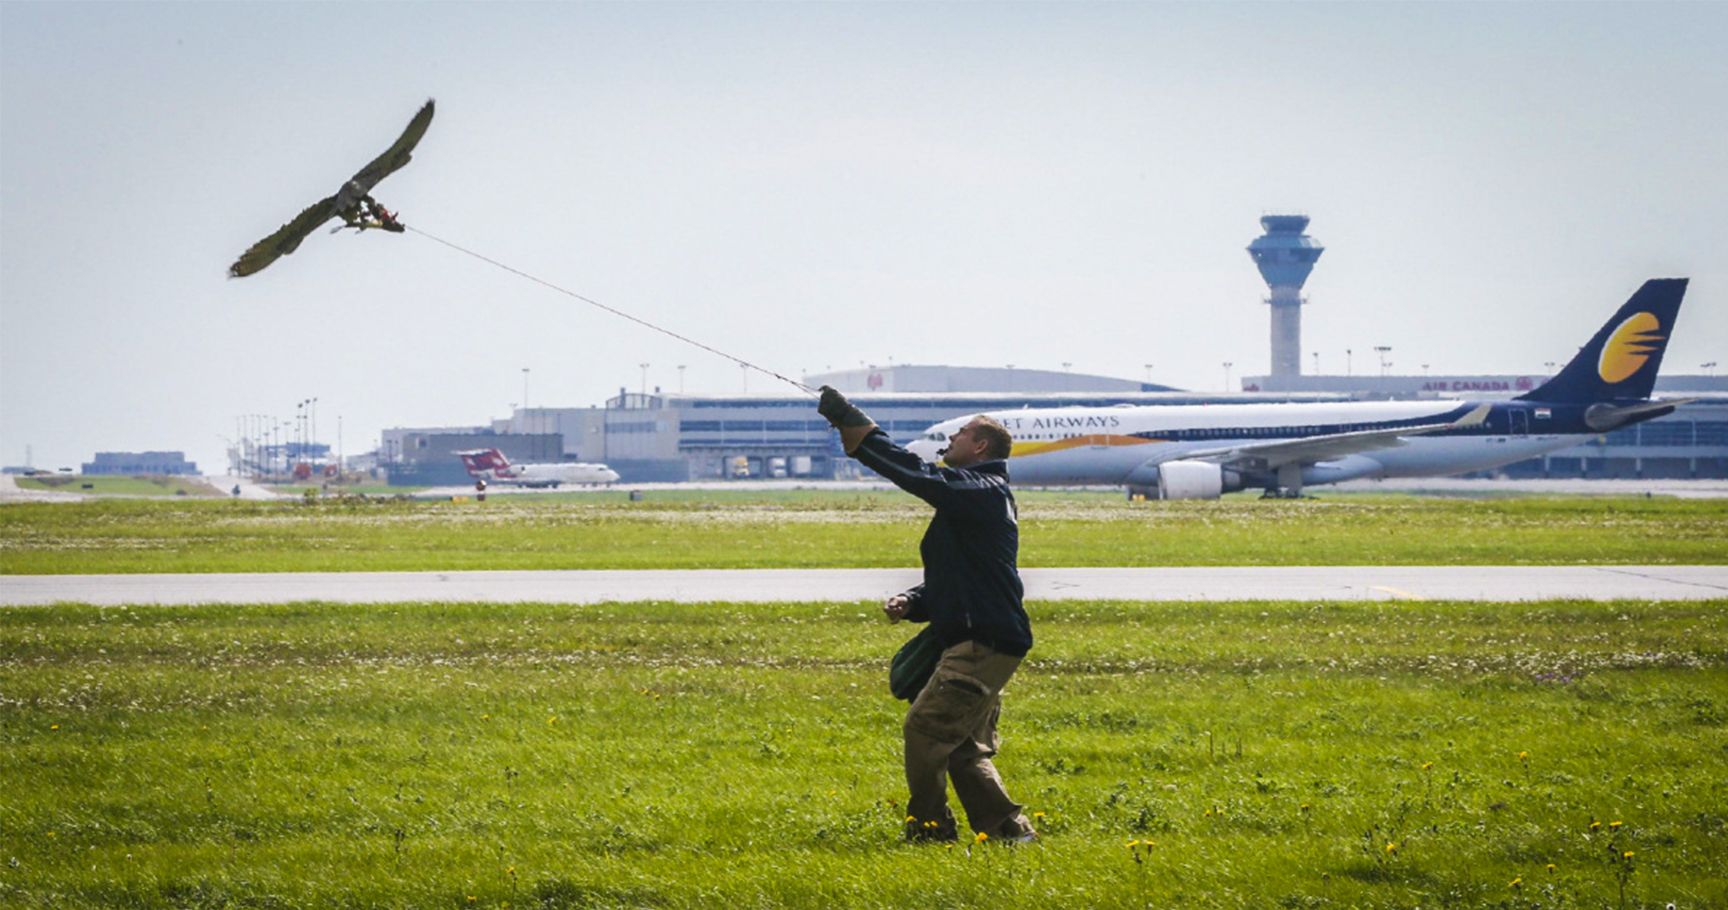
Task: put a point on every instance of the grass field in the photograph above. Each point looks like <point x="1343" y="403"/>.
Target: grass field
<point x="103" y="485"/>
<point x="702" y="529"/>
<point x="1552" y="755"/>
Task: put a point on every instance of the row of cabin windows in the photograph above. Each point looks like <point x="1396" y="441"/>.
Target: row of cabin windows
<point x="787" y="426"/>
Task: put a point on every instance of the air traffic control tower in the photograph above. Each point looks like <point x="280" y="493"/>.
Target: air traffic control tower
<point x="1285" y="256"/>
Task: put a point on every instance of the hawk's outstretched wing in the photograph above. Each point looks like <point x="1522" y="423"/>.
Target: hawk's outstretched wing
<point x="398" y="154"/>
<point x="286" y="239"/>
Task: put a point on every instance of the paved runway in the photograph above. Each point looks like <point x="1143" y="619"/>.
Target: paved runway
<point x="1200" y="583"/>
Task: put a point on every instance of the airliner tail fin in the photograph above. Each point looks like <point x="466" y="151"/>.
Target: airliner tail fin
<point x="481" y="461"/>
<point x="1620" y="363"/>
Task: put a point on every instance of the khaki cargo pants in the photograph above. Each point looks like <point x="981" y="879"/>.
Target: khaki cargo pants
<point x="951" y="733"/>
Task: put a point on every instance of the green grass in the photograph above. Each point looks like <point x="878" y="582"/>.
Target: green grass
<point x="103" y="485"/>
<point x="318" y="488"/>
<point x="697" y="529"/>
<point x="651" y="755"/>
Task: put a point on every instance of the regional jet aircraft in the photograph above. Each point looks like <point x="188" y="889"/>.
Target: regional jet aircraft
<point x="491" y="465"/>
<point x="1203" y="451"/>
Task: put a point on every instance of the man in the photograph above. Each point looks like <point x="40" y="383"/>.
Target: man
<point x="971" y="595"/>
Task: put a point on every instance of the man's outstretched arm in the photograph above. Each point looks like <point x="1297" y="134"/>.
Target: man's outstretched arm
<point x="864" y="440"/>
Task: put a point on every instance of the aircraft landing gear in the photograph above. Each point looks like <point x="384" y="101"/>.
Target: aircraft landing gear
<point x="1289" y="485"/>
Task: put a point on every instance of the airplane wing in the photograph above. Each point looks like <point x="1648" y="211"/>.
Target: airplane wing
<point x="1310" y="449"/>
<point x="286" y="239"/>
<point x="398" y="154"/>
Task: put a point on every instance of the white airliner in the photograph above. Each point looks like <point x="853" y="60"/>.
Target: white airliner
<point x="490" y="465"/>
<point x="1203" y="451"/>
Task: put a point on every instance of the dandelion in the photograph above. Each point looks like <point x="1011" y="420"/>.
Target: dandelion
<point x="1595" y="826"/>
<point x="1550" y="867"/>
<point x="1391" y="847"/>
<point x="1524" y="756"/>
<point x="1516" y="883"/>
<point x="1037" y="815"/>
<point x="1628" y="854"/>
<point x="911" y="819"/>
<point x="472" y="898"/>
<point x="1426" y="765"/>
<point x="1616" y="823"/>
<point x="1132" y="844"/>
<point x="53" y="726"/>
<point x="552" y="721"/>
<point x="982" y="837"/>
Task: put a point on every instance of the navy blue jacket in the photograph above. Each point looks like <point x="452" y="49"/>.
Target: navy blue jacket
<point x="971" y="589"/>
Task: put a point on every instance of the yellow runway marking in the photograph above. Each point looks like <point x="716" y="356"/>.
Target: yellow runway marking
<point x="1397" y="592"/>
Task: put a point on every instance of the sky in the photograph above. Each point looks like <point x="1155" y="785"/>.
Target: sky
<point x="815" y="186"/>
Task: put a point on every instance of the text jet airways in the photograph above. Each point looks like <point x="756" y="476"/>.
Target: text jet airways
<point x="1203" y="451"/>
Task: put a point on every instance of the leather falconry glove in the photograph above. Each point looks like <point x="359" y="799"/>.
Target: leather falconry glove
<point x="845" y="416"/>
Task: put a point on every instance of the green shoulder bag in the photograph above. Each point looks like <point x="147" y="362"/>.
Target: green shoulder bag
<point x="913" y="664"/>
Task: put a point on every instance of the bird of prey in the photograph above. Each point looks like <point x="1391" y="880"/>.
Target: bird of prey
<point x="353" y="203"/>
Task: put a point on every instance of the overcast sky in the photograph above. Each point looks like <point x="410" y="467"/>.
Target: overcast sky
<point x="811" y="186"/>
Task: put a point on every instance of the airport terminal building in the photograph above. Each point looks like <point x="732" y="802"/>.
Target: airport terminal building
<point x="139" y="463"/>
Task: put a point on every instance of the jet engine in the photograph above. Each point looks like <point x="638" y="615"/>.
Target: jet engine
<point x="1194" y="480"/>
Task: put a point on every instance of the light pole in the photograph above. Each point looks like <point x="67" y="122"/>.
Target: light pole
<point x="1148" y="372"/>
<point x="1316" y="363"/>
<point x="1709" y="369"/>
<point x="1067" y="365"/>
<point x="1227" y="366"/>
<point x="1383" y="350"/>
<point x="681" y="379"/>
<point x="644" y="388"/>
<point x="744" y="371"/>
<point x="1347" y="362"/>
<point x="1424" y="371"/>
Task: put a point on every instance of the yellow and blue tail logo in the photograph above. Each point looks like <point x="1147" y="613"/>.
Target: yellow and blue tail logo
<point x="1620" y="363"/>
<point x="1630" y="347"/>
